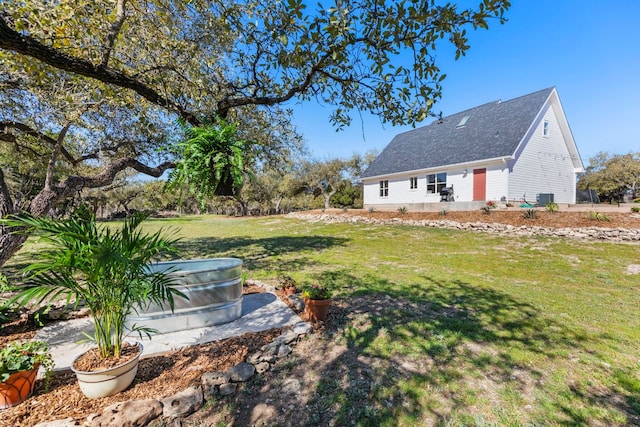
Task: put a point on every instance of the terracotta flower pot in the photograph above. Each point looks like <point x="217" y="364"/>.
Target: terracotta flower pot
<point x="17" y="388"/>
<point x="316" y="309"/>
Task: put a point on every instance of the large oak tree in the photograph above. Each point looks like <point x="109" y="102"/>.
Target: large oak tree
<point x="124" y="70"/>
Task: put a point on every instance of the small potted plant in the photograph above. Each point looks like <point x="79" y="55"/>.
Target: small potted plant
<point x="108" y="270"/>
<point x="317" y="299"/>
<point x="19" y="364"/>
<point x="289" y="285"/>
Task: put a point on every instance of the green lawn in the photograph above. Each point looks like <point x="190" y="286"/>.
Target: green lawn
<point x="498" y="330"/>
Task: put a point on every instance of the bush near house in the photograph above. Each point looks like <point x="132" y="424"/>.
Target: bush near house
<point x="552" y="207"/>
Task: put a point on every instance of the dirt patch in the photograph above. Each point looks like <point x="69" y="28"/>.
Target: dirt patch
<point x="633" y="269"/>
<point x="512" y="216"/>
<point x="329" y="379"/>
<point x="297" y="390"/>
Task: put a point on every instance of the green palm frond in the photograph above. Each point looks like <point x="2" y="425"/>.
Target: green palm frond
<point x="104" y="267"/>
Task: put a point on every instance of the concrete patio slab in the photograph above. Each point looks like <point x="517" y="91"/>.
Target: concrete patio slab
<point x="260" y="312"/>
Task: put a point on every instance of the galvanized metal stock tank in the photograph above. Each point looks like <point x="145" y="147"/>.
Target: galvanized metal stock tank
<point x="214" y="288"/>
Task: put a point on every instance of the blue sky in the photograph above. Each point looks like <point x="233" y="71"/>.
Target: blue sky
<point x="588" y="49"/>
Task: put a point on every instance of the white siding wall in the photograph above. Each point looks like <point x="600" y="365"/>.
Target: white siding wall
<point x="370" y="192"/>
<point x="463" y="185"/>
<point x="497" y="182"/>
<point x="401" y="193"/>
<point x="544" y="165"/>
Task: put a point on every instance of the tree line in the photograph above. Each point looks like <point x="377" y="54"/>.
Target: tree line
<point x="304" y="184"/>
<point x="614" y="177"/>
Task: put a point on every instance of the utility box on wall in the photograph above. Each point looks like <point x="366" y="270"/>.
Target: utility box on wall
<point x="543" y="199"/>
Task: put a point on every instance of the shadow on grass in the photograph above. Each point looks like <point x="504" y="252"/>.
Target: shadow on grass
<point x="256" y="253"/>
<point x="442" y="351"/>
<point x="260" y="253"/>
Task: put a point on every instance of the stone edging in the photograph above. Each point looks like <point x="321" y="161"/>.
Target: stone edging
<point x="590" y="233"/>
<point x="212" y="385"/>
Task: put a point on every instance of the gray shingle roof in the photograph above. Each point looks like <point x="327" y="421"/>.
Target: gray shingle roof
<point x="492" y="130"/>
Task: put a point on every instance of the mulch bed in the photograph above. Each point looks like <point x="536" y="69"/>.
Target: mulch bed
<point x="158" y="376"/>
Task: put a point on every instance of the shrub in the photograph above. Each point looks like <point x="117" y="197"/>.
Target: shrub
<point x="530" y="214"/>
<point x="491" y="204"/>
<point x="552" y="207"/>
<point x="288" y="282"/>
<point x="402" y="210"/>
<point x="598" y="216"/>
<point x="636" y="200"/>
<point x="635" y="209"/>
<point x="20" y="356"/>
<point x="443" y="212"/>
<point x="316" y="292"/>
<point x="486" y="210"/>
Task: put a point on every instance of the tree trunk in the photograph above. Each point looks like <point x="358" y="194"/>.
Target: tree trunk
<point x="244" y="207"/>
<point x="278" y="202"/>
<point x="9" y="243"/>
<point x="327" y="198"/>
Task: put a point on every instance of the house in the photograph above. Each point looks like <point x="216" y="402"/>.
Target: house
<point x="515" y="150"/>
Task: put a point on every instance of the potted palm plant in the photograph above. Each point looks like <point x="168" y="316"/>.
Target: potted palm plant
<point x="108" y="270"/>
<point x="19" y="364"/>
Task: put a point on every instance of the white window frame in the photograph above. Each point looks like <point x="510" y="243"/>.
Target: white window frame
<point x="413" y="183"/>
<point x="384" y="188"/>
<point x="435" y="182"/>
<point x="545" y="128"/>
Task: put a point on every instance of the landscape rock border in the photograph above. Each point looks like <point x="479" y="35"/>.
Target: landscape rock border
<point x="625" y="235"/>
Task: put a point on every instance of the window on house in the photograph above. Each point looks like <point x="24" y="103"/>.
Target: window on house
<point x="384" y="188"/>
<point x="413" y="182"/>
<point x="463" y="121"/>
<point x="436" y="182"/>
<point x="545" y="128"/>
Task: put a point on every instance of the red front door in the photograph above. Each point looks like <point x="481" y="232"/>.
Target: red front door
<point x="479" y="184"/>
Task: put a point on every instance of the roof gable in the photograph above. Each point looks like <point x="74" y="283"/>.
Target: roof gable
<point x="489" y="131"/>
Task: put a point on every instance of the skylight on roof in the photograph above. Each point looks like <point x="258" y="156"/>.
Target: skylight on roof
<point x="463" y="121"/>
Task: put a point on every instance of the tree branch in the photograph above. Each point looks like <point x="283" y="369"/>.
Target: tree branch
<point x="53" y="158"/>
<point x="113" y="33"/>
<point x="27" y="130"/>
<point x="109" y="173"/>
<point x="225" y="105"/>
<point x="13" y="40"/>
<point x="47" y="198"/>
